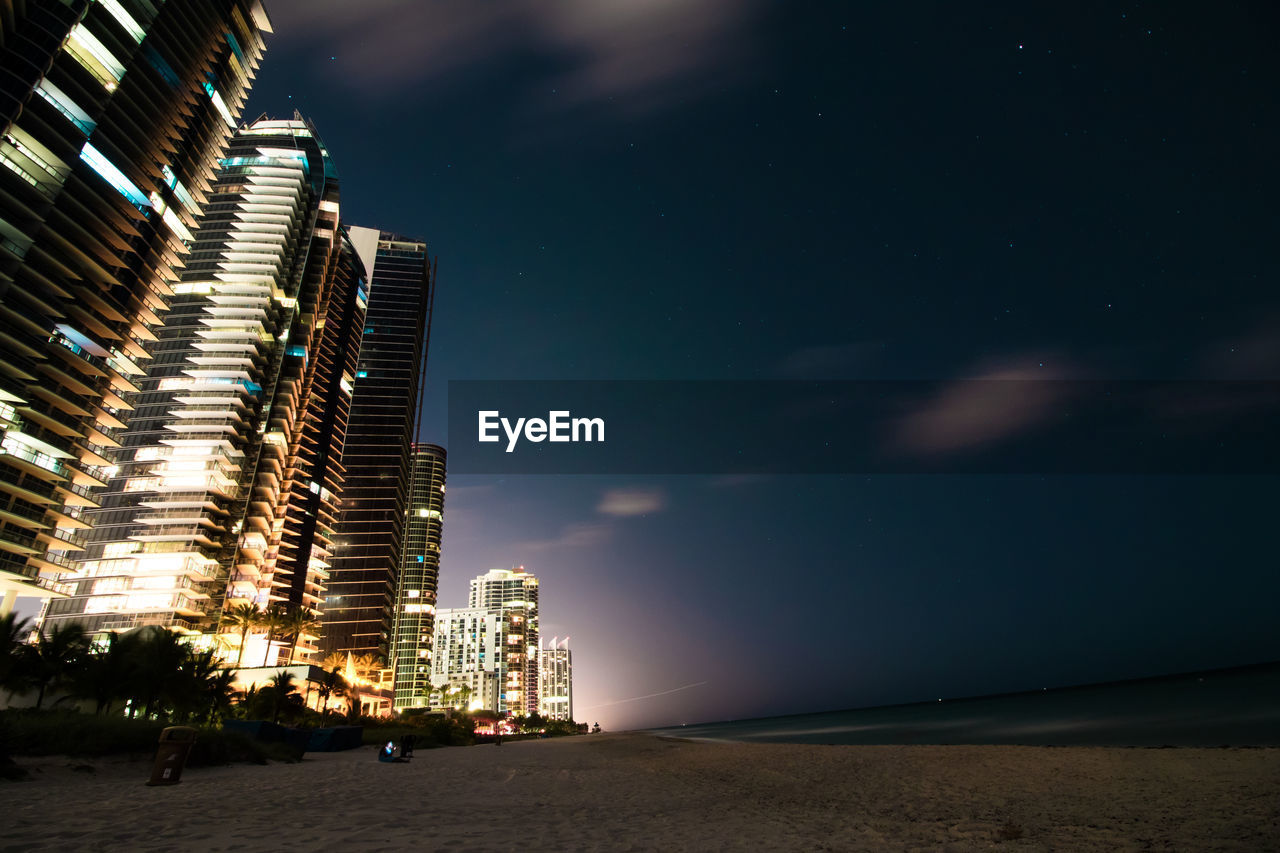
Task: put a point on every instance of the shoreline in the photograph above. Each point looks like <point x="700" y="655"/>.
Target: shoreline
<point x="641" y="791"/>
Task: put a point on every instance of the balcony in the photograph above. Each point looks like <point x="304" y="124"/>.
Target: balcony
<point x="32" y="461"/>
<point x="18" y="541"/>
<point x="122" y="623"/>
<point x="55" y="561"/>
<point x="172" y="533"/>
<point x="64" y="539"/>
<point x="78" y="496"/>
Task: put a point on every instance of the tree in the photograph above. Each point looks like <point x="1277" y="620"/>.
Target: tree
<point x="13" y="631"/>
<point x="284" y="692"/>
<point x="273" y="620"/>
<point x="332" y="684"/>
<point x="160" y="659"/>
<point x="456" y="695"/>
<point x="298" y="622"/>
<point x="367" y="666"/>
<point x="106" y="672"/>
<point x="200" y="686"/>
<point x="217" y="694"/>
<point x="51" y="659"/>
<point x="244" y="618"/>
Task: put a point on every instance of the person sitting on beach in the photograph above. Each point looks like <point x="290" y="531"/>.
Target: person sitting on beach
<point x="388" y="753"/>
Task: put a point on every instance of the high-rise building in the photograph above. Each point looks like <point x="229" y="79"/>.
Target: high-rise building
<point x="360" y="602"/>
<point x="229" y="472"/>
<point x="114" y="116"/>
<point x="469" y="650"/>
<point x="514" y="593"/>
<point x="555" y="680"/>
<point x="414" y="619"/>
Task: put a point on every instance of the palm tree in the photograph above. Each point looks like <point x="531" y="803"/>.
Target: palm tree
<point x="218" y="693"/>
<point x="456" y="695"/>
<point x="284" y="690"/>
<point x="105" y="673"/>
<point x="334" y="660"/>
<point x="298" y="621"/>
<point x="367" y="666"/>
<point x="52" y="658"/>
<point x="272" y="619"/>
<point x="13" y="631"/>
<point x="332" y="684"/>
<point x="159" y="672"/>
<point x="243" y="617"/>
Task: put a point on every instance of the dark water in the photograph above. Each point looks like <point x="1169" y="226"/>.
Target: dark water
<point x="1238" y="707"/>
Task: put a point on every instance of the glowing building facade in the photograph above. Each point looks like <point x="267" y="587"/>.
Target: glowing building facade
<point x="415" y="608"/>
<point x="229" y="473"/>
<point x="514" y="594"/>
<point x="468" y="650"/>
<point x="114" y="115"/>
<point x="555" y="680"/>
<point x="359" y="609"/>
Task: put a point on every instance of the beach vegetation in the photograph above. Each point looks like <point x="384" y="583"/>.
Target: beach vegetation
<point x="149" y="673"/>
<point x="274" y="619"/>
<point x="51" y="660"/>
<point x="242" y="618"/>
<point x="429" y="730"/>
<point x="28" y="732"/>
<point x="297" y="623"/>
<point x="331" y="685"/>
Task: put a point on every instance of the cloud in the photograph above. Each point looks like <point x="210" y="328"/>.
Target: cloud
<point x="627" y="502"/>
<point x="1001" y="401"/>
<point x="635" y="55"/>
<point x="571" y="536"/>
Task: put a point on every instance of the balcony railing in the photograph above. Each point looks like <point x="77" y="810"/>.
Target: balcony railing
<point x="121" y="623"/>
<point x="18" y="450"/>
<point x="67" y="535"/>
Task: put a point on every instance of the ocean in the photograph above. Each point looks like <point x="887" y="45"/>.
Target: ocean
<point x="1230" y="707"/>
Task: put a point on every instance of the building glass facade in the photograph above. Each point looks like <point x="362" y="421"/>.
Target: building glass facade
<point x="419" y="575"/>
<point x="360" y="602"/>
<point x="114" y="117"/>
<point x="230" y="458"/>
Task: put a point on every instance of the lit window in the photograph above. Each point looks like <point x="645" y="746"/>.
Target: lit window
<point x="175" y="225"/>
<point x="115" y="177"/>
<point x="63" y="104"/>
<point x="216" y="97"/>
<point x="93" y="56"/>
<point x="125" y="19"/>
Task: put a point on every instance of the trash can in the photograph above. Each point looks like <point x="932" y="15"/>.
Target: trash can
<point x="171" y="756"/>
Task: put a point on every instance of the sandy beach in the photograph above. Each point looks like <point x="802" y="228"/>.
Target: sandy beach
<point x="638" y="792"/>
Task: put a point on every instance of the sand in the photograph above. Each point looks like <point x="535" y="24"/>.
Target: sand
<point x="638" y="792"/>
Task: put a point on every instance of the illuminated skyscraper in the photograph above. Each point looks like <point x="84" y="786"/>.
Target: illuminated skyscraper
<point x="114" y="116"/>
<point x="229" y="472"/>
<point x="491" y="645"/>
<point x="469" y="650"/>
<point x="514" y="593"/>
<point x="555" y="680"/>
<point x="415" y="608"/>
<point x="360" y="602"/>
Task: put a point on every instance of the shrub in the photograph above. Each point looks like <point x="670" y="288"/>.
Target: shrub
<point x="84" y="735"/>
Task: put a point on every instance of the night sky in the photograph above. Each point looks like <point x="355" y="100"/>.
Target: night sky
<point x="720" y="189"/>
